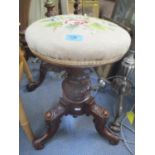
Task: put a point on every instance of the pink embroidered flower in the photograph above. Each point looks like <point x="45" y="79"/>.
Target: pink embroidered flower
<point x="76" y="21"/>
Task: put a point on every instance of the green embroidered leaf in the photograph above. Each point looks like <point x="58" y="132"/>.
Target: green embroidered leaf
<point x="54" y="24"/>
<point x="97" y="26"/>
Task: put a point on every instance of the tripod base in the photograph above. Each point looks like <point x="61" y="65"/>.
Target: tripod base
<point x="76" y="101"/>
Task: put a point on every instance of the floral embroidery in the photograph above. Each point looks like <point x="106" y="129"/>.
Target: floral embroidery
<point x="75" y="21"/>
<point x="74" y="37"/>
<point x="55" y="24"/>
<point x="98" y="26"/>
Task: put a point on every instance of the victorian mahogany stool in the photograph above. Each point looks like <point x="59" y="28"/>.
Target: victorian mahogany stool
<point x="75" y="43"/>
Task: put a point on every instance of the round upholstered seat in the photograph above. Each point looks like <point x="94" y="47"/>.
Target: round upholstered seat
<point x="76" y="40"/>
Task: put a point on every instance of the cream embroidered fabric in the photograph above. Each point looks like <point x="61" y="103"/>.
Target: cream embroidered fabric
<point x="78" y="38"/>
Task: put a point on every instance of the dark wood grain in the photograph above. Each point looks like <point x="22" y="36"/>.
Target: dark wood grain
<point x="76" y="6"/>
<point x="50" y="6"/>
<point x="76" y="100"/>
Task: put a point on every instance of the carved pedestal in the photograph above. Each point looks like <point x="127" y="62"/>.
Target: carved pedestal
<point x="76" y="100"/>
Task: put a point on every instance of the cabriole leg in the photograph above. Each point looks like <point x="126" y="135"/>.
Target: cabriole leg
<point x="52" y="119"/>
<point x="100" y="117"/>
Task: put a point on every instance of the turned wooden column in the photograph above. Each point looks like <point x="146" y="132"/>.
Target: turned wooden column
<point x="24" y="7"/>
<point x="50" y="6"/>
<point x="76" y="6"/>
<point x="24" y="45"/>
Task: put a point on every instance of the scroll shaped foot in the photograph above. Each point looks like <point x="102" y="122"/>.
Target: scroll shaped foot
<point x="113" y="139"/>
<point x="100" y="117"/>
<point x="52" y="128"/>
<point x="38" y="145"/>
<point x="103" y="131"/>
<point x="52" y="120"/>
<point x="43" y="70"/>
<point x="32" y="85"/>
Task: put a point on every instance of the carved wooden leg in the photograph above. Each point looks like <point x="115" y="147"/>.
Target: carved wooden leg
<point x="43" y="70"/>
<point x="27" y="71"/>
<point x="49" y="4"/>
<point x="44" y="67"/>
<point x="100" y="117"/>
<point x="103" y="131"/>
<point x="24" y="66"/>
<point x="52" y="120"/>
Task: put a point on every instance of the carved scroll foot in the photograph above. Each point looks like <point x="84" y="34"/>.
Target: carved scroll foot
<point x="100" y="117"/>
<point x="32" y="86"/>
<point x="43" y="70"/>
<point x="103" y="131"/>
<point x="52" y="120"/>
<point x="39" y="143"/>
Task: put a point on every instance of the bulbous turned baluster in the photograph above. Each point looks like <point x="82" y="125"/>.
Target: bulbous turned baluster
<point x="22" y="39"/>
<point x="23" y="44"/>
<point x="76" y="6"/>
<point x="50" y="6"/>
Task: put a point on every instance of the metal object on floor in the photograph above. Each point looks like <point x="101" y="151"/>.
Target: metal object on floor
<point x="123" y="87"/>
